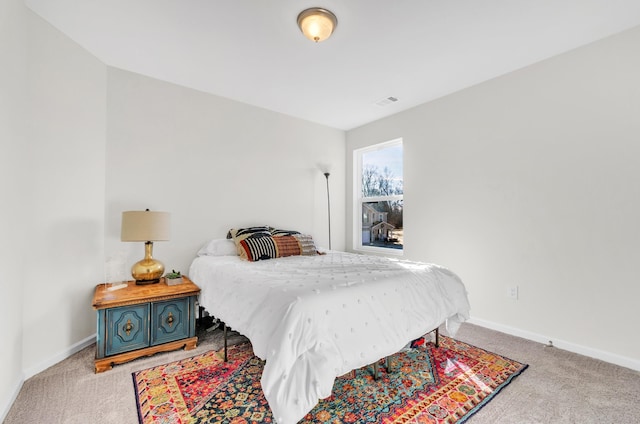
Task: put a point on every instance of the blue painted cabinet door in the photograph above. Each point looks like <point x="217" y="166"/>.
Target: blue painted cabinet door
<point x="170" y="320"/>
<point x="127" y="329"/>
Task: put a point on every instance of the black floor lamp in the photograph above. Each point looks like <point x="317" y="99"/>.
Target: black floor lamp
<point x="326" y="175"/>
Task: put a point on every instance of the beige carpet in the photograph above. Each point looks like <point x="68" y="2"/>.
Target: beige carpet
<point x="558" y="386"/>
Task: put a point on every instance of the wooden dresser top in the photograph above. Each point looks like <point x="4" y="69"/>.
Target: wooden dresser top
<point x="133" y="294"/>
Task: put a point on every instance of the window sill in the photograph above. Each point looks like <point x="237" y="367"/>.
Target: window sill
<point x="382" y="251"/>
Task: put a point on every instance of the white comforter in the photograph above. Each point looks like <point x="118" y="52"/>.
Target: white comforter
<point x="315" y="318"/>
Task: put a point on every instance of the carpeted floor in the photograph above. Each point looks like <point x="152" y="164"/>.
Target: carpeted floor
<point x="558" y="386"/>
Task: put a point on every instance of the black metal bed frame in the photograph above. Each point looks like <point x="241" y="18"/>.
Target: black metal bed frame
<point x="376" y="366"/>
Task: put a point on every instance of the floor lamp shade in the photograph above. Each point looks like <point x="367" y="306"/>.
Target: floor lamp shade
<point x="146" y="226"/>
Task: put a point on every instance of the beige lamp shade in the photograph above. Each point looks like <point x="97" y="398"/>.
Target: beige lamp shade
<point x="145" y="226"/>
<point x="317" y="24"/>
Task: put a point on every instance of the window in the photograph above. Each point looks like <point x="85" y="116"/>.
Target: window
<point x="378" y="198"/>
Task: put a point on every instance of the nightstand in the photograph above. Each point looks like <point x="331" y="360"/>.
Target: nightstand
<point x="136" y="321"/>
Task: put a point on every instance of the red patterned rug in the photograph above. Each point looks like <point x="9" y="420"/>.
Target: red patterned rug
<point x="425" y="385"/>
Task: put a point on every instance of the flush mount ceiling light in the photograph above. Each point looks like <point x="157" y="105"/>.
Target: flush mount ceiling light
<point x="317" y="24"/>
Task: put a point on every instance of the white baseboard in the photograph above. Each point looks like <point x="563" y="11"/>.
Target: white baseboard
<point x="30" y="372"/>
<point x="612" y="358"/>
<point x="4" y="410"/>
<point x="76" y="347"/>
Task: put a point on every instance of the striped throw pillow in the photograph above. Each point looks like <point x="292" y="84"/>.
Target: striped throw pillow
<point x="261" y="248"/>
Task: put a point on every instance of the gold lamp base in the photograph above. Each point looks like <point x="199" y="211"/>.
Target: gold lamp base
<point x="148" y="270"/>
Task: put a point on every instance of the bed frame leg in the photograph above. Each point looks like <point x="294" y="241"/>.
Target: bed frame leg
<point x="437" y="337"/>
<point x="225" y="342"/>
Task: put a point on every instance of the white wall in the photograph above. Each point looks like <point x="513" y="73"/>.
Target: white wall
<point x="532" y="179"/>
<point x="85" y="142"/>
<point x="64" y="190"/>
<point x="13" y="65"/>
<point x="52" y="127"/>
<point x="214" y="164"/>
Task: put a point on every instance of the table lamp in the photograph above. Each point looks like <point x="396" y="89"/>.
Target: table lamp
<point x="147" y="226"/>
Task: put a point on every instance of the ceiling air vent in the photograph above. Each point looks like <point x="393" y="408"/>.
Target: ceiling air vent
<point x="387" y="101"/>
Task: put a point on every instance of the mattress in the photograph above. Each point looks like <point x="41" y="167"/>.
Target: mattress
<point x="313" y="318"/>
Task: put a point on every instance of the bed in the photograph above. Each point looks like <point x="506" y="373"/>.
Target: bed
<point x="315" y="317"/>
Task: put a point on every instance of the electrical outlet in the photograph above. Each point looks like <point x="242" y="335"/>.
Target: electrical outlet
<point x="512" y="292"/>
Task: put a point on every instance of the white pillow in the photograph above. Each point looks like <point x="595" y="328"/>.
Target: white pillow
<point x="219" y="247"/>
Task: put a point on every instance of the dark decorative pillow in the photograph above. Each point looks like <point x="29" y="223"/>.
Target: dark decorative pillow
<point x="242" y="233"/>
<point x="278" y="232"/>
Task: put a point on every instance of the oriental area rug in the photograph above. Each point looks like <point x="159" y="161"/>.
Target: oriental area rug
<point x="425" y="384"/>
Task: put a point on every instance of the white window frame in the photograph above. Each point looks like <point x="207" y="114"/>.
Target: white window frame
<point x="358" y="199"/>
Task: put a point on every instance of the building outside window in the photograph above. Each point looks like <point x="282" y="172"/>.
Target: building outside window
<point x="378" y="195"/>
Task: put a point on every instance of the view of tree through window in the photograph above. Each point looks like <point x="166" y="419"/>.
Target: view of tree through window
<point x="381" y="195"/>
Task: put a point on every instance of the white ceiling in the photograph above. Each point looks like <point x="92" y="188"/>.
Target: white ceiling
<point x="252" y="50"/>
